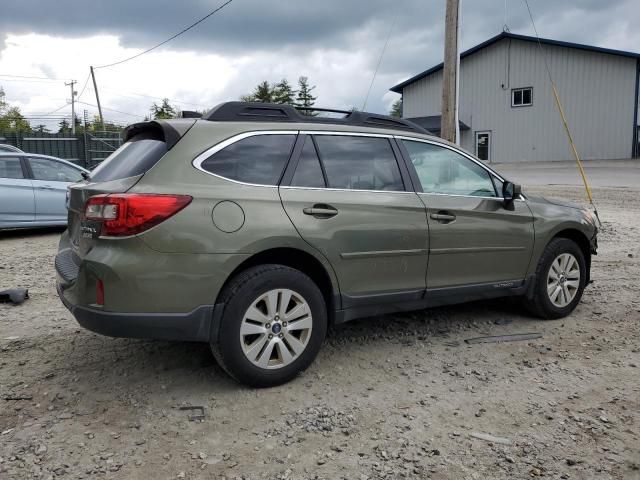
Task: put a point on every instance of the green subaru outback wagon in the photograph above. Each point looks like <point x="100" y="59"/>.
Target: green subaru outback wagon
<point x="256" y="226"/>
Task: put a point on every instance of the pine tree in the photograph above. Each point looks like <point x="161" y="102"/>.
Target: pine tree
<point x="65" y="126"/>
<point x="396" y="108"/>
<point x="304" y="98"/>
<point x="163" y="111"/>
<point x="283" y="93"/>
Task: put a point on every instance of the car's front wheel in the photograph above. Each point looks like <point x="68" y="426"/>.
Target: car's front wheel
<point x="560" y="280"/>
<point x="273" y="325"/>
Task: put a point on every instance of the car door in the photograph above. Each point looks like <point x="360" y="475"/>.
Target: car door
<point x="17" y="205"/>
<point x="50" y="181"/>
<point x="346" y="197"/>
<point x="475" y="238"/>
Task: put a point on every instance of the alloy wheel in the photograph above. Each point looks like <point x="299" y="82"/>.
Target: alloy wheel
<point x="563" y="280"/>
<point x="276" y="328"/>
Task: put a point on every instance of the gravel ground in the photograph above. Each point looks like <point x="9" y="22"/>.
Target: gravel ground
<point x="399" y="396"/>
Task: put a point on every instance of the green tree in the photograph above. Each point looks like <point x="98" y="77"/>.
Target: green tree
<point x="40" y="129"/>
<point x="396" y="108"/>
<point x="3" y="103"/>
<point x="304" y="98"/>
<point x="283" y="92"/>
<point x="13" y="121"/>
<point x="263" y="92"/>
<point x="65" y="126"/>
<point x="163" y="111"/>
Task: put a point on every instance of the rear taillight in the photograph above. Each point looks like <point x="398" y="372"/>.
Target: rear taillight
<point x="125" y="214"/>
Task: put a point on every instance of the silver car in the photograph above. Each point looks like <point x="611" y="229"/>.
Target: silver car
<point x="33" y="189"/>
<point x="9" y="148"/>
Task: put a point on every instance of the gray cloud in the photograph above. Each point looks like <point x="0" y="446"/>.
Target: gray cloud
<point x="296" y="29"/>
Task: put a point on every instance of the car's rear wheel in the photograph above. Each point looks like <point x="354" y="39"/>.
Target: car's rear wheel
<point x="560" y="280"/>
<point x="273" y="325"/>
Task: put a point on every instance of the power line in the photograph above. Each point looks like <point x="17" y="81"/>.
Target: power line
<point x="175" y="100"/>
<point x="57" y="109"/>
<point x="85" y="85"/>
<point x="111" y="109"/>
<point x="33" y="77"/>
<point x="168" y="39"/>
<point x="384" y="48"/>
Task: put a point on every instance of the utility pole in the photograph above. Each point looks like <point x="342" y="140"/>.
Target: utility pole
<point x="73" y="105"/>
<point x="450" y="72"/>
<point x="95" y="89"/>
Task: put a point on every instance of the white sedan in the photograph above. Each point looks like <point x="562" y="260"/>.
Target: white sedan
<point x="33" y="189"/>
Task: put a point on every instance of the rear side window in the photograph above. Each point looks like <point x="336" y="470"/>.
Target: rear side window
<point x="10" y="168"/>
<point x="308" y="171"/>
<point x="259" y="159"/>
<point x="134" y="157"/>
<point x="359" y="163"/>
<point x="52" y="171"/>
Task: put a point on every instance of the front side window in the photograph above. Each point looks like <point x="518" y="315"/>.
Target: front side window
<point x="259" y="159"/>
<point x="359" y="163"/>
<point x="10" y="168"/>
<point x="522" y="97"/>
<point x="52" y="171"/>
<point x="444" y="171"/>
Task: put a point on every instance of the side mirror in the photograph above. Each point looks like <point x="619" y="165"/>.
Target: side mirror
<point x="510" y="191"/>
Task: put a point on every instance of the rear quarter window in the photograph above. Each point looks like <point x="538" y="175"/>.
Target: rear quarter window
<point x="134" y="157"/>
<point x="259" y="159"/>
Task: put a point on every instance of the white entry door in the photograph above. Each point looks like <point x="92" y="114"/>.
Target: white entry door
<point x="483" y="146"/>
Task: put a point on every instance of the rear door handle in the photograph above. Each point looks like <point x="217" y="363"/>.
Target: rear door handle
<point x="320" y="211"/>
<point x="46" y="187"/>
<point x="443" y="217"/>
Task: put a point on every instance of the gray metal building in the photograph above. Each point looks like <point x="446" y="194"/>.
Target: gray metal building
<point x="507" y="110"/>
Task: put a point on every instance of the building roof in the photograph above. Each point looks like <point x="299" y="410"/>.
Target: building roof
<point x="433" y="123"/>
<point x="545" y="41"/>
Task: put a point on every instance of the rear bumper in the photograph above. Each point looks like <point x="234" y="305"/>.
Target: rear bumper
<point x="194" y="326"/>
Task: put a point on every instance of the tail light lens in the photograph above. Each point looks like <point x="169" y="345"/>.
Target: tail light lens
<point x="124" y="214"/>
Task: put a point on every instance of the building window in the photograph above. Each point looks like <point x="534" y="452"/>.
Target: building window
<point x="522" y="97"/>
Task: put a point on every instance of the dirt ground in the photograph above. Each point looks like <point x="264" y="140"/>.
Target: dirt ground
<point x="400" y="396"/>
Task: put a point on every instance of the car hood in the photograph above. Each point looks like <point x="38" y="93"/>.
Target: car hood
<point x="553" y="201"/>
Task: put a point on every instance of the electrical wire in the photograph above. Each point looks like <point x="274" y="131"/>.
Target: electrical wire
<point x="133" y="95"/>
<point x="111" y="109"/>
<point x="563" y="117"/>
<point x="57" y="109"/>
<point x="33" y="77"/>
<point x="84" y="86"/>
<point x="168" y="39"/>
<point x="384" y="48"/>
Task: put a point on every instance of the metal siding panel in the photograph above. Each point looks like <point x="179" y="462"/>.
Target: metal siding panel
<point x="596" y="89"/>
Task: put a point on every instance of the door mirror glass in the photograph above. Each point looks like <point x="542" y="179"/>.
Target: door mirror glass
<point x="510" y="191"/>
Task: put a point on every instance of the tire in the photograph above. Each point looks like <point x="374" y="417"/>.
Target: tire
<point x="547" y="301"/>
<point x="251" y="327"/>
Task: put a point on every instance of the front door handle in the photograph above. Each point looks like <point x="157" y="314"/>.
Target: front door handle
<point x="443" y="217"/>
<point x="46" y="187"/>
<point x="320" y="210"/>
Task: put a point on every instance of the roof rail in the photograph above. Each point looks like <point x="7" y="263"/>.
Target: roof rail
<point x="272" y="112"/>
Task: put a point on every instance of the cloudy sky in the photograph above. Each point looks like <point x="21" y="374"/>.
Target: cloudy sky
<point x="336" y="43"/>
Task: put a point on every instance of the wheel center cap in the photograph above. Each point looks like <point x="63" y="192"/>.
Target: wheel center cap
<point x="276" y="328"/>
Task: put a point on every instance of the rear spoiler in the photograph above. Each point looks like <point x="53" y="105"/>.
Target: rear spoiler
<point x="170" y="131"/>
